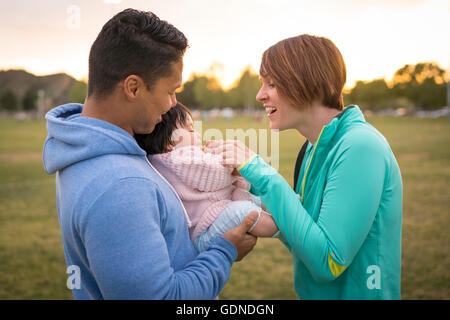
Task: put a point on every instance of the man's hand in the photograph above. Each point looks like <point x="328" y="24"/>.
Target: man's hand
<point x="243" y="241"/>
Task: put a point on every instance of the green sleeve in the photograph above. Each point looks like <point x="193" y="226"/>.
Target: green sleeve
<point x="349" y="204"/>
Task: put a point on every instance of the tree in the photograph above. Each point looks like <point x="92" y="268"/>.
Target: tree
<point x="202" y="92"/>
<point x="372" y="95"/>
<point x="243" y="93"/>
<point x="207" y="92"/>
<point x="420" y="86"/>
<point x="8" y="100"/>
<point x="78" y="92"/>
<point x="424" y="84"/>
<point x="30" y="99"/>
<point x="187" y="95"/>
<point x="416" y="74"/>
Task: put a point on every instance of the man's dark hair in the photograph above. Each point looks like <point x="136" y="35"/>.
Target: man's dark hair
<point x="159" y="140"/>
<point x="133" y="42"/>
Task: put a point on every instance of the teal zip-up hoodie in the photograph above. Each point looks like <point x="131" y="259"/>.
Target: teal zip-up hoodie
<point x="343" y="223"/>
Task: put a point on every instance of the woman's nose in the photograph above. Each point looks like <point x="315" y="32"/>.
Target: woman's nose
<point x="261" y="95"/>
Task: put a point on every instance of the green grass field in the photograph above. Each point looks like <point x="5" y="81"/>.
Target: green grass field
<point x="32" y="262"/>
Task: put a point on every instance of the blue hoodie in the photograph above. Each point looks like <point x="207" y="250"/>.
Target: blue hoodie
<point x="122" y="224"/>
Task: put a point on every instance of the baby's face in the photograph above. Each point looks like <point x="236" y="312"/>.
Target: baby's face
<point x="186" y="136"/>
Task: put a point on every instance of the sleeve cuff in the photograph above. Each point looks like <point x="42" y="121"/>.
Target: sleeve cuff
<point x="227" y="247"/>
<point x="246" y="162"/>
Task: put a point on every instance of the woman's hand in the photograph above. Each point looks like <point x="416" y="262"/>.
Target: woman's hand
<point x="235" y="173"/>
<point x="234" y="152"/>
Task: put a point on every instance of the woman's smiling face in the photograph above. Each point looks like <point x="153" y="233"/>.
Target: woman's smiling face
<point x="281" y="113"/>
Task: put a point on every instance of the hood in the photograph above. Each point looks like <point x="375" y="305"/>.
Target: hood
<point x="72" y="138"/>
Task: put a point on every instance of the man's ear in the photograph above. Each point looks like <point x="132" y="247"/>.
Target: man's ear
<point x="131" y="86"/>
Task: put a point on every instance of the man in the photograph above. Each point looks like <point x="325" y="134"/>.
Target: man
<point x="122" y="224"/>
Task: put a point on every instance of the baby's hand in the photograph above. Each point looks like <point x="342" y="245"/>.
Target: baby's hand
<point x="206" y="147"/>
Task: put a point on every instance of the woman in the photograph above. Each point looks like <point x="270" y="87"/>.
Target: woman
<point x="342" y="224"/>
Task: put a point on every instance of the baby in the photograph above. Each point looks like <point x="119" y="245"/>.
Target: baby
<point x="215" y="199"/>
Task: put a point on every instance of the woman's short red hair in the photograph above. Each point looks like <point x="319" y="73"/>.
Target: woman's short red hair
<point x="306" y="69"/>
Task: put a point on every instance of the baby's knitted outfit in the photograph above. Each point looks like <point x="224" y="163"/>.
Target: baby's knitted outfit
<point x="204" y="185"/>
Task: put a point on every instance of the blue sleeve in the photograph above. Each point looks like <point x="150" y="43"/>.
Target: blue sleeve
<point x="128" y="254"/>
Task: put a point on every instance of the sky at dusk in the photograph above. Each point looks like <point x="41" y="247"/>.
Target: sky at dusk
<point x="376" y="37"/>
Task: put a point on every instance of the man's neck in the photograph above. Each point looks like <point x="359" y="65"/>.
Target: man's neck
<point x="107" y="110"/>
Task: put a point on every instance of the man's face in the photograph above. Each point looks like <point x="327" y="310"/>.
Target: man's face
<point x="157" y="101"/>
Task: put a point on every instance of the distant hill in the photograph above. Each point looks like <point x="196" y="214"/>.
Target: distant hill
<point x="56" y="87"/>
